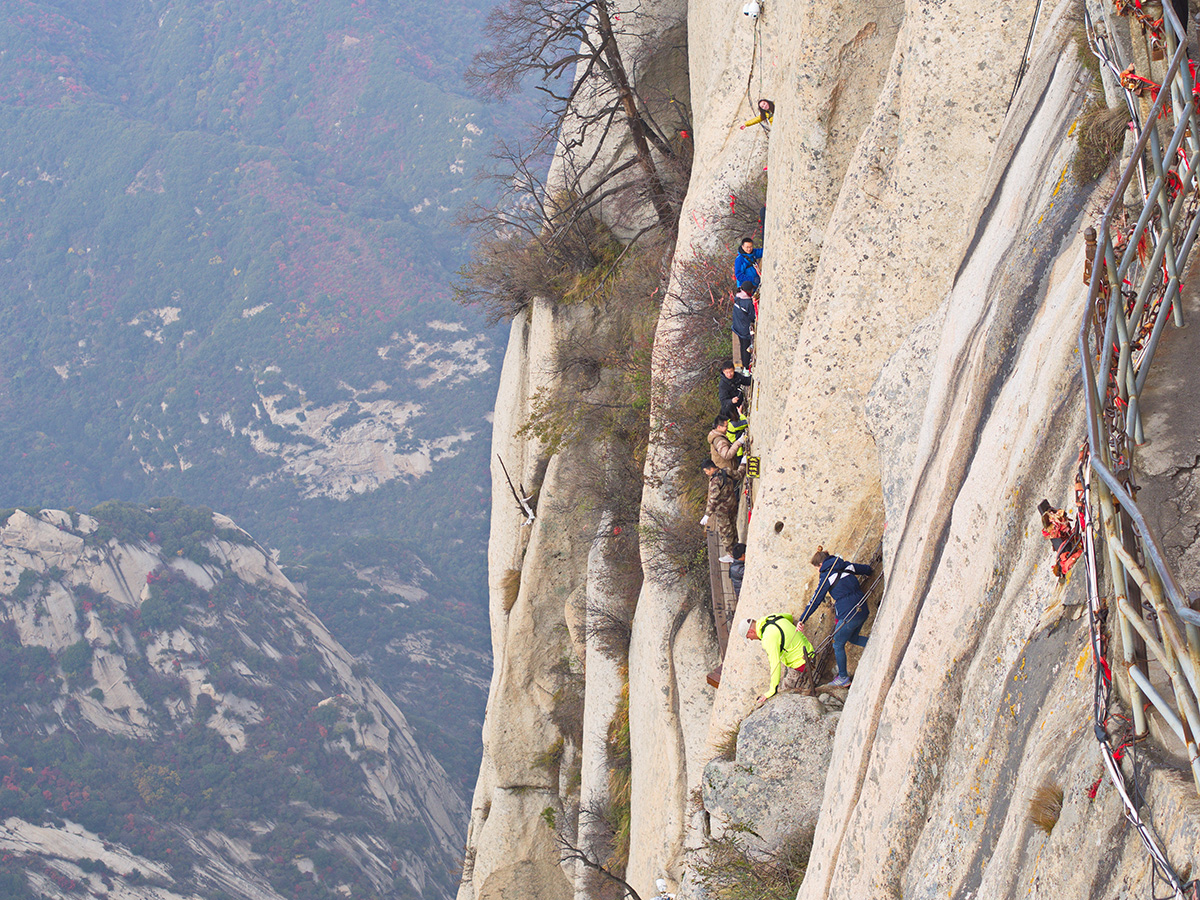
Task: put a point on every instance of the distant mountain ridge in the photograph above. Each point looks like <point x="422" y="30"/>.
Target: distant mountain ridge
<point x="173" y="708"/>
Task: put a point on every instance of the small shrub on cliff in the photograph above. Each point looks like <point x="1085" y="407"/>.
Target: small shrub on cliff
<point x="731" y="872"/>
<point x="566" y="709"/>
<point x="76" y="662"/>
<point x="549" y="759"/>
<point x="563" y="265"/>
<point x="674" y="548"/>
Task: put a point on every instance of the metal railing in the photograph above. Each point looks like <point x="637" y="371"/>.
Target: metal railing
<point x="1133" y="289"/>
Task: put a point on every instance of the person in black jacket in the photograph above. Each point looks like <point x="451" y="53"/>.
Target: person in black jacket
<point x="742" y="323"/>
<point x="730" y="385"/>
<point x="839" y="578"/>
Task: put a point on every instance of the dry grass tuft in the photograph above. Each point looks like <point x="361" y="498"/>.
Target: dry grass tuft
<point x="1046" y="807"/>
<point x="510" y="586"/>
<point x="726" y="746"/>
<point x="620" y="768"/>
<point x="1099" y="139"/>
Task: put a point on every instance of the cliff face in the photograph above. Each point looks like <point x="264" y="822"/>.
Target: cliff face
<point x="916" y="394"/>
<point x="184" y="726"/>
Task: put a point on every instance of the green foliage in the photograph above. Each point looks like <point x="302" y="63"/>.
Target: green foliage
<point x="76" y="662"/>
<point x="27" y="674"/>
<point x="171" y="595"/>
<point x="27" y="582"/>
<point x="180" y="530"/>
<point x="550" y="758"/>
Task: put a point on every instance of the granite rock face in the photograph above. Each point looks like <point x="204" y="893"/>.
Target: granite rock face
<point x="916" y="395"/>
<point x="773" y="786"/>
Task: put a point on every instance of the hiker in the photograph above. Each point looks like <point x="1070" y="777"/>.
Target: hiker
<point x="766" y="112"/>
<point x="787" y="648"/>
<point x="839" y="578"/>
<point x="742" y="325"/>
<point x="737" y="568"/>
<point x="730" y="384"/>
<point x="722" y="502"/>
<point x="745" y="266"/>
<point x="737" y="427"/>
<point x="721" y="450"/>
<point x="660" y="885"/>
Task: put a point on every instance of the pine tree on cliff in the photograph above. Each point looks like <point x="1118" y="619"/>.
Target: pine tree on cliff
<point x="578" y="40"/>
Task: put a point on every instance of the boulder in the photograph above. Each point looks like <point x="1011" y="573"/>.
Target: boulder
<point x="774" y="785"/>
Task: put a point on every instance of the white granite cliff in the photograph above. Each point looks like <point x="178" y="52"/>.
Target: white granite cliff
<point x="916" y="394"/>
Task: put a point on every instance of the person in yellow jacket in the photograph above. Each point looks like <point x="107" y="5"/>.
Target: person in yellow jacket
<point x="786" y="646"/>
<point x="766" y="112"/>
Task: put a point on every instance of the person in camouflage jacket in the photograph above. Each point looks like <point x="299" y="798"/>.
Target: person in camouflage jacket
<point x="723" y="494"/>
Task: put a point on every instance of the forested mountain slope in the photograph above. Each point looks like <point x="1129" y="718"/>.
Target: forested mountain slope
<point x="178" y="724"/>
<point x="225" y="245"/>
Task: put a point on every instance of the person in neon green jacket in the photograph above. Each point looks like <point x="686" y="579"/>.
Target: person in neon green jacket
<point x="786" y="646"/>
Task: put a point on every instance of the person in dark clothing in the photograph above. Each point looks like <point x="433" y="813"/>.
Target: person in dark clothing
<point x="1183" y="11"/>
<point x="731" y="384"/>
<point x="839" y="578"/>
<point x="737" y="568"/>
<point x="745" y="265"/>
<point x="742" y="323"/>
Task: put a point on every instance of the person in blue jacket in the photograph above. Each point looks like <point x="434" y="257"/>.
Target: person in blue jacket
<point x="840" y="578"/>
<point x="742" y="323"/>
<point x="745" y="264"/>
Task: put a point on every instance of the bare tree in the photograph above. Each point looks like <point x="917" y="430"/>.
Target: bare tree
<point x="573" y="49"/>
<point x="572" y="852"/>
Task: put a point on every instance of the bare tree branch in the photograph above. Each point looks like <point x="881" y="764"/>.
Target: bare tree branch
<point x="569" y="852"/>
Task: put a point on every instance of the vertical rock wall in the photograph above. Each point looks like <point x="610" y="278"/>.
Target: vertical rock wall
<point x="916" y="394"/>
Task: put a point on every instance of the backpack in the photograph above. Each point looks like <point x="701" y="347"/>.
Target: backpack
<point x="774" y="620"/>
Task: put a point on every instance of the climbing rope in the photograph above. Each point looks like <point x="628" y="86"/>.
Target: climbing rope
<point x="756" y="63"/>
<point x="1037" y="14"/>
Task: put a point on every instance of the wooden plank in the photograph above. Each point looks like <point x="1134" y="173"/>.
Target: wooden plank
<point x="717" y="586"/>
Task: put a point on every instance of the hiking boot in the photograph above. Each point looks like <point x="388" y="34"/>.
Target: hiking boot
<point x="841" y="681"/>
